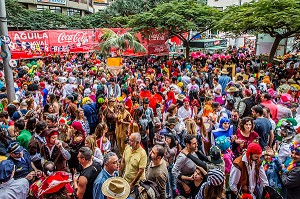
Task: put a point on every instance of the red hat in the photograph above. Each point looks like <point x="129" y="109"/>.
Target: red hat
<point x="285" y="97"/>
<point x="248" y="92"/>
<point x="186" y="100"/>
<point x="42" y="84"/>
<point x="53" y="183"/>
<point x="78" y="127"/>
<point x="253" y="148"/>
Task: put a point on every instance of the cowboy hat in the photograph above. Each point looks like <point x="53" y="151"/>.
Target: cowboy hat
<point x="111" y="99"/>
<point x="232" y="89"/>
<point x="180" y="97"/>
<point x="171" y="121"/>
<point x="224" y="71"/>
<point x="116" y="187"/>
<point x="291" y="81"/>
<point x="53" y="183"/>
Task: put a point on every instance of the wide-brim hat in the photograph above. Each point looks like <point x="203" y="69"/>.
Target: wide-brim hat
<point x="291" y="81"/>
<point x="180" y="97"/>
<point x="116" y="187"/>
<point x="224" y="71"/>
<point x="54" y="183"/>
<point x="232" y="89"/>
<point x="171" y="121"/>
<point x="111" y="99"/>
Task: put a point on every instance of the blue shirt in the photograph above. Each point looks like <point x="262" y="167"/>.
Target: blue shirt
<point x="223" y="81"/>
<point x="102" y="177"/>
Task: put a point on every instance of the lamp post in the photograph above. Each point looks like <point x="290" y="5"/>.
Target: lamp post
<point x="9" y="79"/>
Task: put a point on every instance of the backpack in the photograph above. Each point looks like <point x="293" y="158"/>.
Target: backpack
<point x="148" y="190"/>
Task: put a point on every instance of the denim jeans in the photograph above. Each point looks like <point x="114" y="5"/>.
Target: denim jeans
<point x="171" y="184"/>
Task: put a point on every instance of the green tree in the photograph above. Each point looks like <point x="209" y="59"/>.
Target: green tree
<point x="279" y="18"/>
<point x="121" y="43"/>
<point x="176" y="18"/>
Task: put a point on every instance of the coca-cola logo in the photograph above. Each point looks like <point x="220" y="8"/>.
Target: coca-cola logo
<point x="71" y="38"/>
<point x="157" y="36"/>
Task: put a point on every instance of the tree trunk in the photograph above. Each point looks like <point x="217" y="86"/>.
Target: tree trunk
<point x="274" y="48"/>
<point x="187" y="51"/>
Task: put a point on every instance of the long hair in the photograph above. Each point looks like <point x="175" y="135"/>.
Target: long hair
<point x="99" y="129"/>
<point x="92" y="142"/>
<point x="214" y="192"/>
<point x="191" y="126"/>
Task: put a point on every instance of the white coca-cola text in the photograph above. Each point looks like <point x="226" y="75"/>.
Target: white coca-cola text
<point x="71" y="38"/>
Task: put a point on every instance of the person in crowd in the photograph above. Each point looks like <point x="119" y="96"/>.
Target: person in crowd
<point x="110" y="169"/>
<point x="97" y="154"/>
<point x="184" y="167"/>
<point x="9" y="186"/>
<point x="267" y="114"/>
<point x="291" y="175"/>
<point x="55" y="150"/>
<point x="263" y="127"/>
<point x="266" y="101"/>
<point x="84" y="183"/>
<point x="234" y="120"/>
<point x="70" y="107"/>
<point x="246" y="171"/>
<point x="244" y="107"/>
<point x="157" y="169"/>
<point x="123" y="121"/>
<point x="245" y="135"/>
<point x="24" y="135"/>
<point x="21" y="112"/>
<point x="21" y="158"/>
<point x="287" y="132"/>
<point x="110" y="117"/>
<point x="90" y="113"/>
<point x="133" y="162"/>
<point x="36" y="143"/>
<point x="149" y="115"/>
<point x="224" y="79"/>
<point x="52" y="121"/>
<point x="213" y="188"/>
<point x="224" y="129"/>
<point x="82" y="119"/>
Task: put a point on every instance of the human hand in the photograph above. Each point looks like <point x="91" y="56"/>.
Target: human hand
<point x="269" y="151"/>
<point x="186" y="188"/>
<point x="30" y="175"/>
<point x="58" y="143"/>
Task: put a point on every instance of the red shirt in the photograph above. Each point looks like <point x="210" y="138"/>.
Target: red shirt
<point x="247" y="140"/>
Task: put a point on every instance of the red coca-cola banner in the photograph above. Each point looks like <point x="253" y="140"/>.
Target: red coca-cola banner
<point x="30" y="44"/>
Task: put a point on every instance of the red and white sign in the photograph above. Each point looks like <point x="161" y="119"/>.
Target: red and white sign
<point x="30" y="44"/>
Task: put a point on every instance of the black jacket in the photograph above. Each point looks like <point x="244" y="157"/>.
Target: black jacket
<point x="292" y="183"/>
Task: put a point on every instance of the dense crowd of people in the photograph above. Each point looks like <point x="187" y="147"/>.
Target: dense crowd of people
<point x="157" y="128"/>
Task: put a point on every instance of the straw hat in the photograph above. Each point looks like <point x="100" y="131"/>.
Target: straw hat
<point x="180" y="97"/>
<point x="232" y="89"/>
<point x="224" y="71"/>
<point x="116" y="187"/>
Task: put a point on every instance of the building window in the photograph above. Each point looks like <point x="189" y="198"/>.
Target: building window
<point x="72" y="12"/>
<point x="55" y="9"/>
<point x="42" y="7"/>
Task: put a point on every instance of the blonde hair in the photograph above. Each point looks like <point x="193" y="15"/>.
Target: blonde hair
<point x="191" y="127"/>
<point x="90" y="139"/>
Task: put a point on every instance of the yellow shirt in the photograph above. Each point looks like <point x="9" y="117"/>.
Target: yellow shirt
<point x="134" y="160"/>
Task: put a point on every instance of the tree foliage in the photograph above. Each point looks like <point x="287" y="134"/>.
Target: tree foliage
<point x="279" y="18"/>
<point x="121" y="42"/>
<point x="177" y="18"/>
